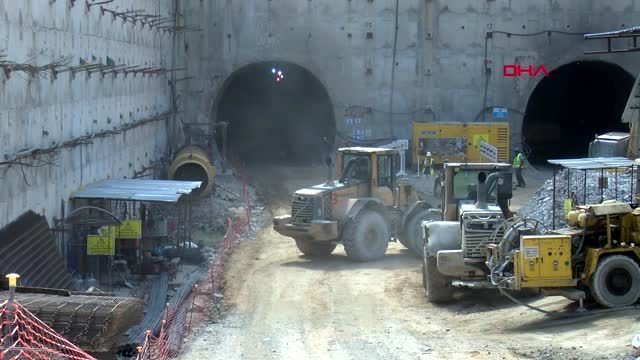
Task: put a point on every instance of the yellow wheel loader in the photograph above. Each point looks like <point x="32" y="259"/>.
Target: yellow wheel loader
<point x="364" y="209"/>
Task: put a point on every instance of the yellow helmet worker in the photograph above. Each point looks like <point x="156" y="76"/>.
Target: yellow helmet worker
<point x="429" y="164"/>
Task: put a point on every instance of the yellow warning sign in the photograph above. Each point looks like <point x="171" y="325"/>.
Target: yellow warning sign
<point x="130" y="229"/>
<point x="98" y="245"/>
<point x="478" y="138"/>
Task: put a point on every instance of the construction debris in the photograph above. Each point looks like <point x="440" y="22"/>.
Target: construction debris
<point x="211" y="213"/>
<point x="571" y="185"/>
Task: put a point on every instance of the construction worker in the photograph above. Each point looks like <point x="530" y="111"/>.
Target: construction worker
<point x="429" y="165"/>
<point x="518" y="165"/>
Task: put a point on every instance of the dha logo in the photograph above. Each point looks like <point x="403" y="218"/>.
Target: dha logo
<point x="516" y="70"/>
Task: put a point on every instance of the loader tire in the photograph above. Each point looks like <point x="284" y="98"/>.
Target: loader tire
<point x="366" y="237"/>
<point x="315" y="249"/>
<point x="616" y="281"/>
<point x="436" y="285"/>
<point x="413" y="232"/>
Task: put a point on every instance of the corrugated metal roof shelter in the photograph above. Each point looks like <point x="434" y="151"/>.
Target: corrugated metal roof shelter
<point x="594" y="163"/>
<point x="364" y="149"/>
<point x="623" y="36"/>
<point x="114" y="201"/>
<point x="607" y="34"/>
<point x="614" y="136"/>
<point x="138" y="190"/>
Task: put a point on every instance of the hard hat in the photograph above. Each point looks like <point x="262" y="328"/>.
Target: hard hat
<point x="428" y="153"/>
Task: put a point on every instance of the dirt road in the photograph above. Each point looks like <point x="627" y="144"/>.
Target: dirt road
<point x="281" y="305"/>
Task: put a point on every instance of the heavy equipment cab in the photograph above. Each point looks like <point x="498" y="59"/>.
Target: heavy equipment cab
<point x="373" y="169"/>
<point x="461" y="187"/>
<point x="364" y="209"/>
<point x="475" y="205"/>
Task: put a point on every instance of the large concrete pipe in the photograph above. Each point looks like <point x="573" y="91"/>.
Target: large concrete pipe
<point x="192" y="164"/>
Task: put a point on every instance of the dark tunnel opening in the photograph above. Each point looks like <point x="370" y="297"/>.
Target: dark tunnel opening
<point x="576" y="102"/>
<point x="276" y="121"/>
<point x="193" y="172"/>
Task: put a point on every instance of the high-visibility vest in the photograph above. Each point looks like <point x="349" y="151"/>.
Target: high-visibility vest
<point x="428" y="163"/>
<point x="517" y="161"/>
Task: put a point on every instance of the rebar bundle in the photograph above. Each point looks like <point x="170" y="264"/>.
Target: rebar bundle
<point x="154" y="311"/>
<point x="94" y="323"/>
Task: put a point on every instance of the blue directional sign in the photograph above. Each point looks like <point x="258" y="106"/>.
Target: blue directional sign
<point x="500" y="113"/>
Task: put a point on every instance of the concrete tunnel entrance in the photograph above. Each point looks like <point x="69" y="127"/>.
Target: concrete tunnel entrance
<point x="568" y="108"/>
<point x="273" y="120"/>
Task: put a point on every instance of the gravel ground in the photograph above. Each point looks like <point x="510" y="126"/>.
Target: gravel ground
<point x="539" y="207"/>
<point x="281" y="305"/>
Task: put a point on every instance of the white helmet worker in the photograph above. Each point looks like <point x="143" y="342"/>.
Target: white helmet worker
<point x="428" y="153"/>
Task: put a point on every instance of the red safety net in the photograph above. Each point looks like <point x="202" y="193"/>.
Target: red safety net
<point x="24" y="336"/>
<point x="181" y="318"/>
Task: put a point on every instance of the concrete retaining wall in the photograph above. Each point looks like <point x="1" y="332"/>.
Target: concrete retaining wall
<point x="440" y="52"/>
<point x="39" y="111"/>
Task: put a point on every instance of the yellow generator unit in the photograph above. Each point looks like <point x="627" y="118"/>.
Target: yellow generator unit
<point x="598" y="255"/>
<point x="544" y="261"/>
<point x="459" y="142"/>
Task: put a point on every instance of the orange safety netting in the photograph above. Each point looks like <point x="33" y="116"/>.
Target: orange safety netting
<point x="24" y="336"/>
<point x="176" y="323"/>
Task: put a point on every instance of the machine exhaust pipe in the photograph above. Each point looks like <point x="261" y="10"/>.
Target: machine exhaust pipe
<point x="192" y="164"/>
<point x="484" y="184"/>
<point x="329" y="164"/>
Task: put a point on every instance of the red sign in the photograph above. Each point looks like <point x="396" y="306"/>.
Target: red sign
<point x="517" y="70"/>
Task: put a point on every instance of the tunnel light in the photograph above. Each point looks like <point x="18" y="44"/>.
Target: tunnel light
<point x="278" y="74"/>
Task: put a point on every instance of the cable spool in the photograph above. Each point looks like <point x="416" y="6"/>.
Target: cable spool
<point x="192" y="164"/>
